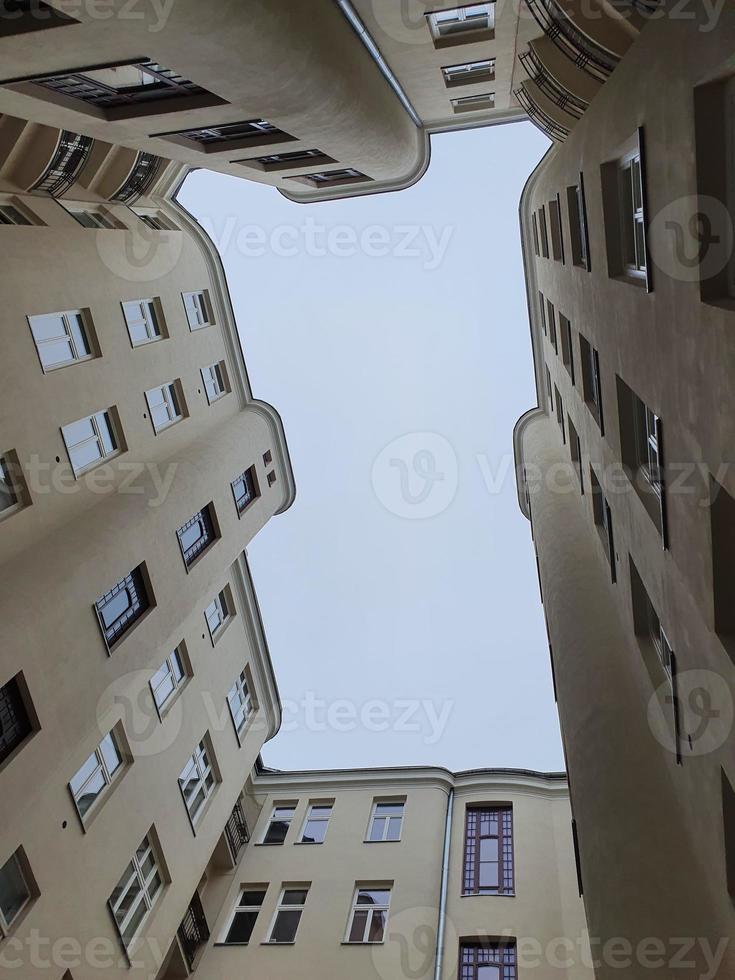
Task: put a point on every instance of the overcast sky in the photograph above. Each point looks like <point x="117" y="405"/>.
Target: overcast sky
<point x="399" y="592"/>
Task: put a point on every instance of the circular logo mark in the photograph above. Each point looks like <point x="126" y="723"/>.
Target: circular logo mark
<point x="140" y="255"/>
<point x="129" y="699"/>
<point x="705" y="708"/>
<point x="692" y="238"/>
<point x="416" y="475"/>
<point x="410" y="944"/>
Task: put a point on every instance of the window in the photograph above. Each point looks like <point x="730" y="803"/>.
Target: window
<point x="170" y="677"/>
<point x="577" y="205"/>
<point x="487" y="960"/>
<point x="288" y="914"/>
<point x="197" y="780"/>
<point x="271" y="477"/>
<point x="218" y="613"/>
<point x="92" y="219"/>
<point x="254" y="132"/>
<point x="369" y="915"/>
<point x="198" y="309"/>
<point x="722" y="536"/>
<point x="632" y="220"/>
<point x="215" y="381"/>
<point x="135" y="894"/>
<point x="17" y="721"/>
<point x="245" y="489"/>
<point x="144" y="320"/>
<point x="728" y="821"/>
<point x="155" y="220"/>
<point x="16" y="891"/>
<point x="316" y="823"/>
<point x="544" y="232"/>
<point x="462" y="23"/>
<point x="243" y="920"/>
<point x="603" y="521"/>
<point x="471" y="103"/>
<point x="624" y="205"/>
<point x="549" y="389"/>
<point x="13" y="492"/>
<point x="199" y="532"/>
<point x="165" y="405"/>
<point x="575" y="451"/>
<point x="469" y="72"/>
<point x="567" y="350"/>
<point x="95" y="775"/>
<point x="641" y="444"/>
<point x="560" y="412"/>
<point x="552" y="326"/>
<point x="536" y="241"/>
<point x="329" y="178"/>
<point x="11" y="215"/>
<point x="62" y="338"/>
<point x="591" y="386"/>
<point x="90" y="440"/>
<point x="120" y="609"/>
<point x="288" y="161"/>
<point x="542" y="310"/>
<point x="386" y="820"/>
<point x="488" y="851"/>
<point x="648" y="624"/>
<point x="557" y="236"/>
<point x="279" y="823"/>
<point x="240" y="702"/>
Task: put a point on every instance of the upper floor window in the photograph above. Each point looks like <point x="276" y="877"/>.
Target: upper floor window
<point x="93" y="218"/>
<point x="624" y="204"/>
<point x="144" y="320"/>
<point x="386" y="820"/>
<point x="119" y="609"/>
<point x="199" y="532"/>
<point x="647" y="621"/>
<point x="91" y="439"/>
<point x="198" y="309"/>
<point x="240" y="702"/>
<point x="369" y="915"/>
<point x="469" y="72"/>
<point x="165" y="405"/>
<point x="575" y="451"/>
<point x="641" y="444"/>
<point x="245" y="489"/>
<point x="552" y="326"/>
<point x="544" y="232"/>
<point x="560" y="412"/>
<point x="536" y="240"/>
<point x="458" y="22"/>
<point x="591" y="382"/>
<point x="17" y="890"/>
<point x="288" y="914"/>
<point x="197" y="780"/>
<point x="549" y="389"/>
<point x="471" y="103"/>
<point x="215" y="381"/>
<point x="316" y="823"/>
<point x="154" y="219"/>
<point x="137" y="891"/>
<point x="603" y="521"/>
<point x="17" y="720"/>
<point x="488" y="851"/>
<point x="13" y="492"/>
<point x="577" y="205"/>
<point x="557" y="235"/>
<point x="542" y="311"/>
<point x="328" y="178"/>
<point x="567" y="349"/>
<point x="62" y="338"/>
<point x="289" y="161"/>
<point x="487" y="960"/>
<point x="170" y="677"/>
<point x="218" y="613"/>
<point x="11" y="215"/>
<point x="728" y="821"/>
<point x="278" y="825"/>
<point x="241" y="925"/>
<point x="252" y="132"/>
<point x="96" y="774"/>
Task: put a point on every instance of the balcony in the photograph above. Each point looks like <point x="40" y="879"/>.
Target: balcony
<point x="236" y="831"/>
<point x="582" y="50"/>
<point x="193" y="932"/>
<point x="539" y="115"/>
<point x="70" y="155"/>
<point x="552" y="88"/>
<point x="139" y="180"/>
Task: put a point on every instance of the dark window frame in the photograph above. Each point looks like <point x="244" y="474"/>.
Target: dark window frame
<point x="207" y="520"/>
<point x="249" y="478"/>
<point x="137" y="584"/>
<point x="476" y="953"/>
<point x="472" y="843"/>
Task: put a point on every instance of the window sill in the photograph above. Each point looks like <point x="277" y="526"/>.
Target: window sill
<point x="267" y="942"/>
<point x="488" y="895"/>
<point x="308" y="843"/>
<point x="346" y="942"/>
<point x="631" y="279"/>
<point x="382" y="841"/>
<point x="269" y="843"/>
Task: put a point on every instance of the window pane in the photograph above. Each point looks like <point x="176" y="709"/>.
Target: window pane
<point x="84" y="772"/>
<point x="13" y="891"/>
<point x="117" y="606"/>
<point x="242" y="926"/>
<point x="77" y="331"/>
<point x="294" y="896"/>
<point x="373" y="896"/>
<point x="377" y="927"/>
<point x="488" y="973"/>
<point x="314" y="832"/>
<point x="488" y="875"/>
<point x="285" y="926"/>
<point x="359" y="924"/>
<point x="377" y="829"/>
<point x="394" y="828"/>
<point x="110" y="753"/>
<point x="105" y="428"/>
<point x="91" y="791"/>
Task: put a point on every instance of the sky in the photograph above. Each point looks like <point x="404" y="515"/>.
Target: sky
<point x="399" y="592"/>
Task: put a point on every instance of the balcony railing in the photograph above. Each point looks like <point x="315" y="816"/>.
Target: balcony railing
<point x="550" y="87"/>
<point x="236" y="831"/>
<point x="193" y="931"/>
<point x="69" y="157"/>
<point x="139" y="179"/>
<point x="583" y="51"/>
<point x="545" y="123"/>
<point x="112" y="86"/>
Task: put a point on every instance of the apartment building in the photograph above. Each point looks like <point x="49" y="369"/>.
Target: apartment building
<point x="625" y="472"/>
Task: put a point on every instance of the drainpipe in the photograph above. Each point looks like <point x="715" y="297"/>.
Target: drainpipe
<point x="443" y="892"/>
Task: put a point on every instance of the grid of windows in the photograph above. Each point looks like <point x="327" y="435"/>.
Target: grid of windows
<point x="143" y="321"/>
<point x="240" y="702"/>
<point x="15" y="892"/>
<point x="197" y="534"/>
<point x="369" y="915"/>
<point x="119" y="609"/>
<point x="487" y="961"/>
<point x="288" y="915"/>
<point x="60" y="338"/>
<point x="165" y="405"/>
<point x="245" y="916"/>
<point x="197" y="780"/>
<point x="15" y="723"/>
<point x="316" y="823"/>
<point x="488" y="851"/>
<point x="386" y="820"/>
<point x="95" y="775"/>
<point x="135" y="894"/>
<point x="168" y="679"/>
<point x="217" y="613"/>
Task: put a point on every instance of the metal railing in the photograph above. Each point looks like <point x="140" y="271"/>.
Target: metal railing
<point x="579" y="48"/>
<point x="193" y="931"/>
<point x="559" y="95"/>
<point x="69" y="157"/>
<point x="545" y="123"/>
<point x="236" y="831"/>
<point x="139" y="179"/>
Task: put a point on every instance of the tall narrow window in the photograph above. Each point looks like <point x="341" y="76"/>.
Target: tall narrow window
<point x="135" y="894"/>
<point x="245" y="489"/>
<point x="560" y="412"/>
<point x="94" y="777"/>
<point x="557" y="235"/>
<point x="198" y="309"/>
<point x="461" y="23"/>
<point x="215" y="381"/>
<point x="469" y="72"/>
<point x="218" y="613"/>
<point x="603" y="521"/>
<point x="552" y="326"/>
<point x="648" y="624"/>
<point x="165" y="405"/>
<point x="240" y="702"/>
<point x="536" y="242"/>
<point x="624" y="204"/>
<point x="279" y="823"/>
<point x="16" y="891"/>
<point x="170" y="677"/>
<point x="241" y="925"/>
<point x="632" y="220"/>
<point x="144" y="321"/>
<point x="197" y="780"/>
<point x="575" y="451"/>
<point x="61" y="338"/>
<point x="728" y="820"/>
<point x="316" y="823"/>
<point x="567" y="348"/>
<point x="288" y="914"/>
<point x="542" y="310"/>
<point x="591" y="382"/>
<point x="488" y="851"/>
<point x="90" y="440"/>
<point x="369" y="915"/>
<point x="577" y="205"/>
<point x="543" y="229"/>
<point x="13" y="491"/>
<point x="487" y="960"/>
<point x="386" y="820"/>
<point x="16" y="720"/>
<point x="641" y="444"/>
<point x="549" y="390"/>
<point x="199" y="532"/>
<point x="120" y="609"/>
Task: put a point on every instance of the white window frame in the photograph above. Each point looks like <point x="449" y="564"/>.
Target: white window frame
<point x="96" y="219"/>
<point x="463" y="21"/>
<point x="647" y="448"/>
<point x="632" y="214"/>
<point x="66" y="335"/>
<point x="388" y="817"/>
<point x="97" y="420"/>
<point x="240" y="691"/>
<point x="5" y="924"/>
<point x="310" y="818"/>
<point x="144" y="882"/>
<point x="101" y="769"/>
<point x="222" y="602"/>
<point x="149" y="316"/>
<point x="370" y="909"/>
<point x="468" y="70"/>
<point x="171" y="400"/>
<point x="198" y="309"/>
<point x="239" y="907"/>
<point x="178" y="683"/>
<point x="215" y="380"/>
<point x="283" y="907"/>
<point x="201" y="763"/>
<point x="274" y="810"/>
<point x="471" y="103"/>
